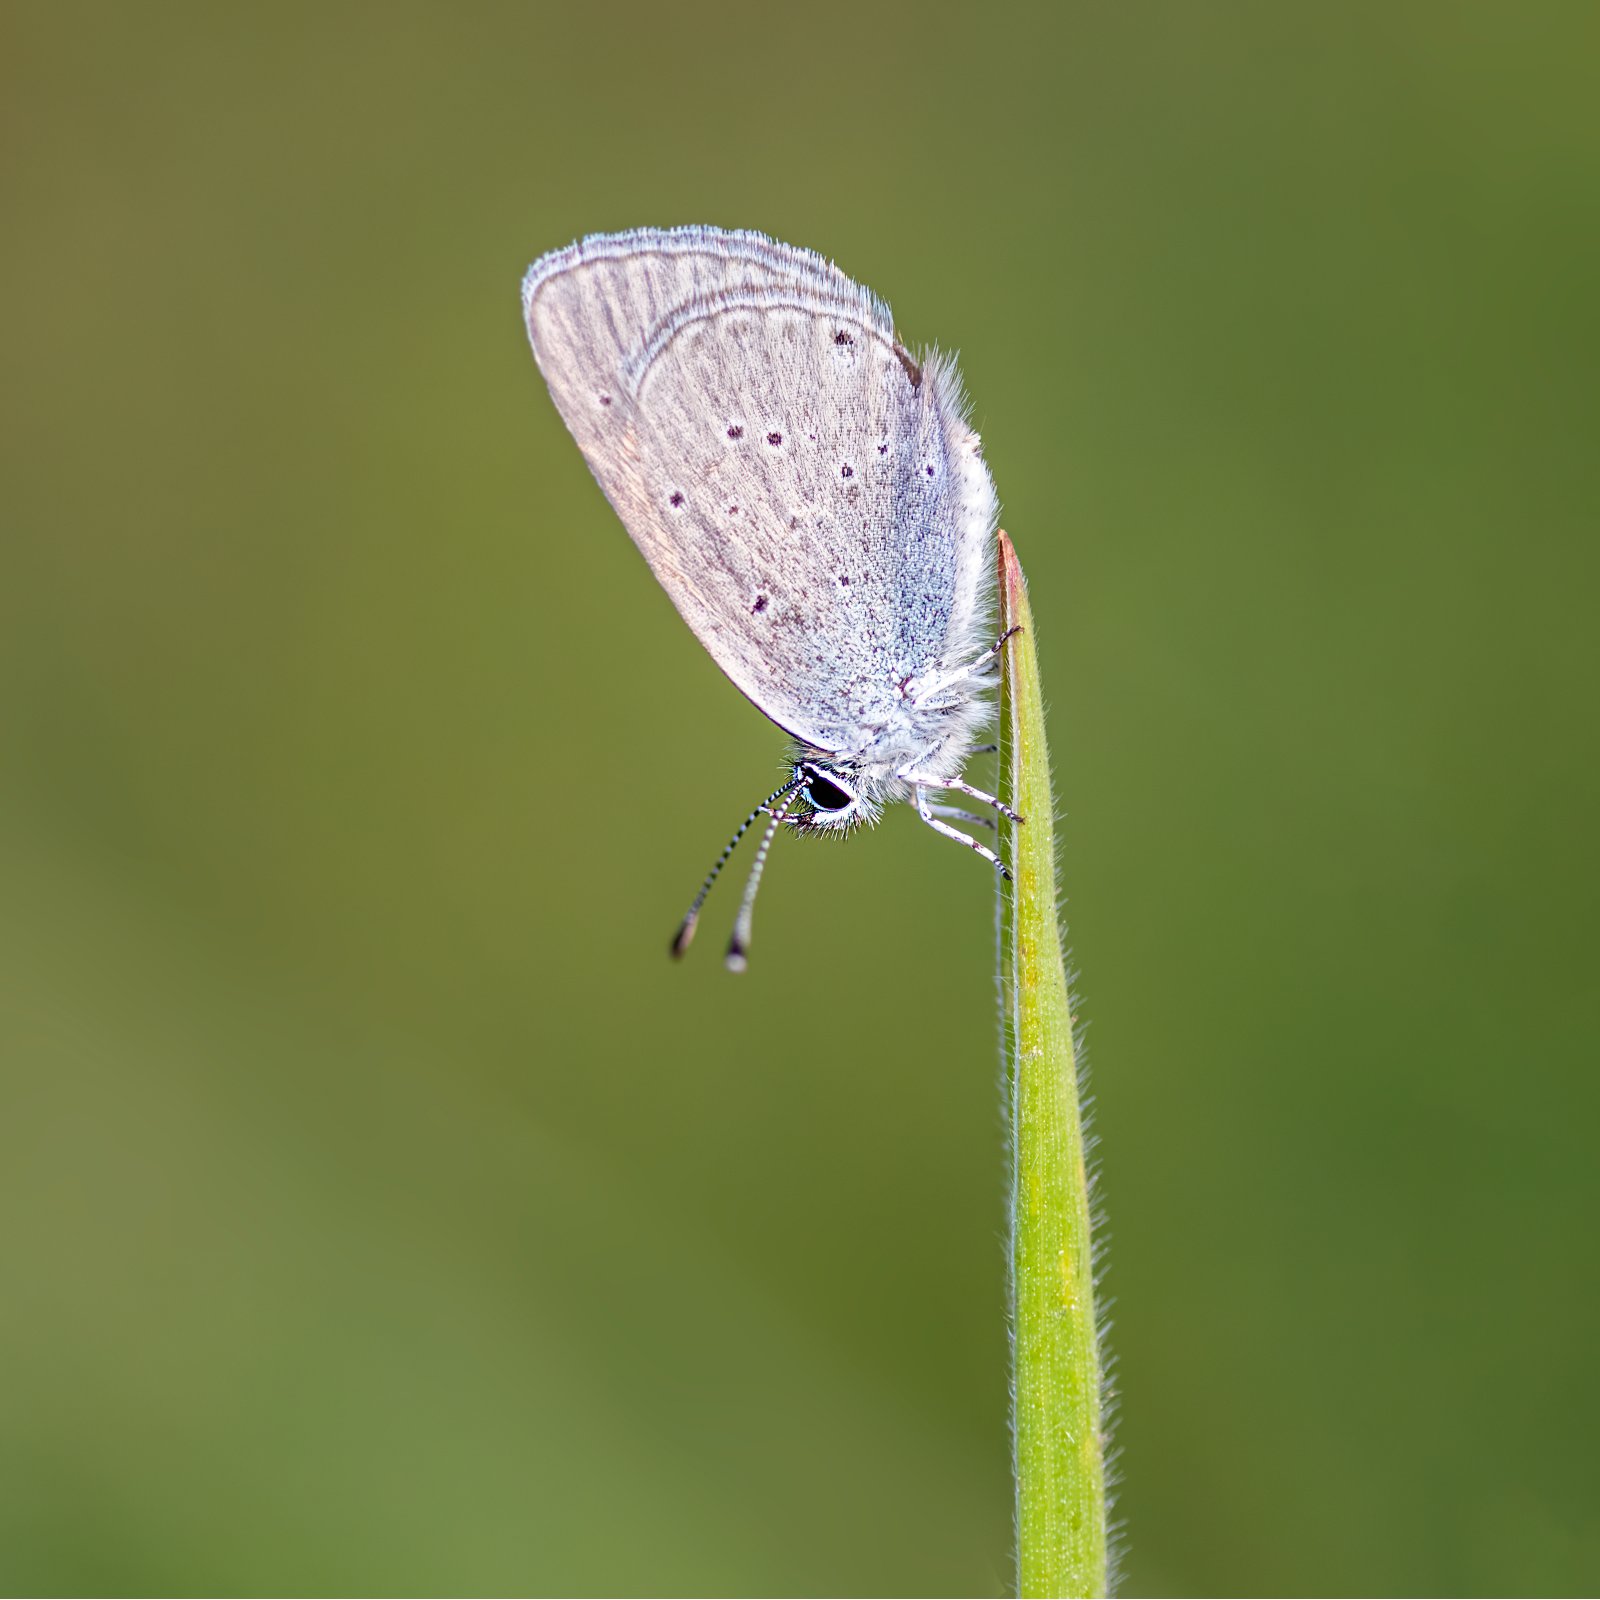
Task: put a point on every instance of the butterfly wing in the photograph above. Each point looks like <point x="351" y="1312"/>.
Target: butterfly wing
<point x="811" y="500"/>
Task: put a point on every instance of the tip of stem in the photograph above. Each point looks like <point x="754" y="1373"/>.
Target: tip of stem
<point x="1012" y="587"/>
<point x="735" y="960"/>
<point x="682" y="938"/>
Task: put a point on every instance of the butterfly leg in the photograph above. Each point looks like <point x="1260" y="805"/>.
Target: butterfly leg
<point x="978" y="794"/>
<point x="935" y="693"/>
<point x="993" y="652"/>
<point x="963" y="788"/>
<point x="956" y="814"/>
<point x="925" y="811"/>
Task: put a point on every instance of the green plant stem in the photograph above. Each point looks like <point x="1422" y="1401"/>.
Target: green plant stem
<point x="1057" y="1439"/>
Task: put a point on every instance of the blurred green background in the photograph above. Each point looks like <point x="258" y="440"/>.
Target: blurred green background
<point x="381" y="1210"/>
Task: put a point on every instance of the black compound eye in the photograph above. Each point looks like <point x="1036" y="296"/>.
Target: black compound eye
<point x="825" y="795"/>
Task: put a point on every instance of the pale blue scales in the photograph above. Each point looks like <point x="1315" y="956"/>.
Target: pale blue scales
<point x="810" y="497"/>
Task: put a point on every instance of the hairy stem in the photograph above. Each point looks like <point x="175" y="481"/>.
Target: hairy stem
<point x="1057" y="1437"/>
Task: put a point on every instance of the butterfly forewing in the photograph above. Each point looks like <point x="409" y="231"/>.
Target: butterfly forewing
<point x="812" y="502"/>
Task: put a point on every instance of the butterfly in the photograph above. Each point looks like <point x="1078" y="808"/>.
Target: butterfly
<point x="810" y="496"/>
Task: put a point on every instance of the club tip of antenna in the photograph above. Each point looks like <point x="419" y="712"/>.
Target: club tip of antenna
<point x="735" y="960"/>
<point x="683" y="937"/>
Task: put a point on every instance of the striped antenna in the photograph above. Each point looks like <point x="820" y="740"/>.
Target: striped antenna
<point x="740" y="942"/>
<point x="685" y="933"/>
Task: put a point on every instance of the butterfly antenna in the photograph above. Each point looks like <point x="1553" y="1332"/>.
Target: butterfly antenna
<point x="740" y="942"/>
<point x="685" y="933"/>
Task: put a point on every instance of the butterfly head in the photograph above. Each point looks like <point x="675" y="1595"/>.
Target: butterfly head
<point x="831" y="799"/>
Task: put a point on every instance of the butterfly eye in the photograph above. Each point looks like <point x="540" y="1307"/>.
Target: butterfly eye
<point x="826" y="795"/>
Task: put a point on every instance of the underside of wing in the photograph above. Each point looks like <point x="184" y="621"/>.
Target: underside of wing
<point x="590" y="308"/>
<point x="810" y="498"/>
